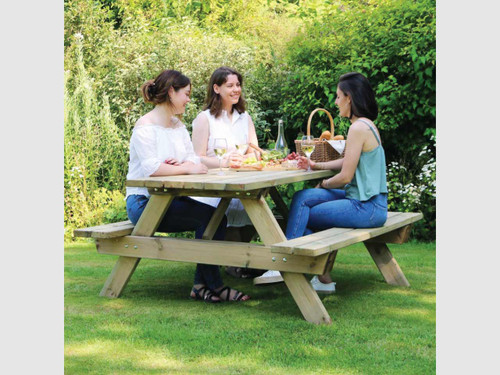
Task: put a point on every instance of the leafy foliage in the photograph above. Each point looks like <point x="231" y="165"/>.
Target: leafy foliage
<point x="290" y="53"/>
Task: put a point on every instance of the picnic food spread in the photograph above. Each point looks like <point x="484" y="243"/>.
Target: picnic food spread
<point x="271" y="160"/>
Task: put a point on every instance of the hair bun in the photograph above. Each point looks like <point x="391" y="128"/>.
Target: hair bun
<point x="151" y="87"/>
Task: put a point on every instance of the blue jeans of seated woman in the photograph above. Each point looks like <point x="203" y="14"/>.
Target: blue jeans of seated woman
<point x="185" y="214"/>
<point x="313" y="210"/>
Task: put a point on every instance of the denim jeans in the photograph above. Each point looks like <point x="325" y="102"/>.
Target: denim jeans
<point x="313" y="210"/>
<point x="185" y="214"/>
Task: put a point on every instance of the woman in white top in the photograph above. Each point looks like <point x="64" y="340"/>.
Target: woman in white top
<point x="160" y="146"/>
<point x="224" y="116"/>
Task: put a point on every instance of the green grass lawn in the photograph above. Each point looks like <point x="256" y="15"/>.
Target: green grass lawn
<point x="154" y="328"/>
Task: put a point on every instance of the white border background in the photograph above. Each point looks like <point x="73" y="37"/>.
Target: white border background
<point x="32" y="211"/>
<point x="468" y="88"/>
<point x="31" y="150"/>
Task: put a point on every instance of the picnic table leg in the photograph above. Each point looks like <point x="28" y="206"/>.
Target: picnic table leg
<point x="216" y="218"/>
<point x="301" y="290"/>
<point x="386" y="263"/>
<point x="146" y="226"/>
<point x="280" y="204"/>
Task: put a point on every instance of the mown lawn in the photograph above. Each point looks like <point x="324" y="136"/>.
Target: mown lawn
<point x="154" y="328"/>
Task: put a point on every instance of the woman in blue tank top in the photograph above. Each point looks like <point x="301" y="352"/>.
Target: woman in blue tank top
<point x="356" y="197"/>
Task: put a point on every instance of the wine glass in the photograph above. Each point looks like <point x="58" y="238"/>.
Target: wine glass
<point x="220" y="148"/>
<point x="242" y="145"/>
<point x="307" y="147"/>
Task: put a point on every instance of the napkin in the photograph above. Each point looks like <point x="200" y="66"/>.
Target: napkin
<point x="338" y="145"/>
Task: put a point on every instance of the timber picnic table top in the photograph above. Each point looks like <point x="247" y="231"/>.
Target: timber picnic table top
<point x="232" y="180"/>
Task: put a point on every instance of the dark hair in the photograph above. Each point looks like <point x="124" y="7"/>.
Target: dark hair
<point x="156" y="90"/>
<point x="357" y="86"/>
<point x="213" y="100"/>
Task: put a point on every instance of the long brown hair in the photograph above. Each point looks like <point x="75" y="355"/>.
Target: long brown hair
<point x="155" y="91"/>
<point x="213" y="101"/>
<point x="357" y="86"/>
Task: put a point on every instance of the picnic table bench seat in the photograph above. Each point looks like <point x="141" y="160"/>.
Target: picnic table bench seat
<point x="311" y="253"/>
<point x="121" y="228"/>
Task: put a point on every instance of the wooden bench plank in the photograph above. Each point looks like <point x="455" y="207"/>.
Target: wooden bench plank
<point x="122" y="228"/>
<point x="335" y="238"/>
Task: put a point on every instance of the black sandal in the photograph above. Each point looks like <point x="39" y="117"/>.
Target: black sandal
<point x="238" y="297"/>
<point x="204" y="294"/>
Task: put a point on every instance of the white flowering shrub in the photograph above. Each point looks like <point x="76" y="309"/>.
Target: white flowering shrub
<point x="415" y="191"/>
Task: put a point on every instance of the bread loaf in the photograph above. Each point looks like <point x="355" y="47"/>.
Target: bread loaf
<point x="325" y="135"/>
<point x="338" y="138"/>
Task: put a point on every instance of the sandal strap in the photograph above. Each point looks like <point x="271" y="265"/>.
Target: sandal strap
<point x="226" y="288"/>
<point x="204" y="293"/>
<point x="237" y="294"/>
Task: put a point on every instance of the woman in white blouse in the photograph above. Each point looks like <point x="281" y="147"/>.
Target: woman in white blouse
<point x="160" y="146"/>
<point x="224" y="116"/>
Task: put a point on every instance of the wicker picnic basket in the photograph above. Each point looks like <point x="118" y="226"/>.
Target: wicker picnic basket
<point x="323" y="151"/>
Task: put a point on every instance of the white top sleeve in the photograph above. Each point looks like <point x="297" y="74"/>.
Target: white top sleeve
<point x="145" y="144"/>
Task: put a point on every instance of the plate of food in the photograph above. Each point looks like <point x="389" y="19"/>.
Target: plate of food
<point x="250" y="164"/>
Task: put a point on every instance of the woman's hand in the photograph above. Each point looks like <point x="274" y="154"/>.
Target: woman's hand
<point x="303" y="164"/>
<point x="172" y="161"/>
<point x="323" y="184"/>
<point x="193" y="168"/>
<point x="233" y="159"/>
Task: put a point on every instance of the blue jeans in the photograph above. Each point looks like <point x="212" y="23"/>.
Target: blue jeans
<point x="185" y="214"/>
<point x="313" y="210"/>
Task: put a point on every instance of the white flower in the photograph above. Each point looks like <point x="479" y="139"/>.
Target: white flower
<point x="78" y="36"/>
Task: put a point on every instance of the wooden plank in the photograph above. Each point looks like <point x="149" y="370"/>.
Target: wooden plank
<point x="216" y="218"/>
<point x="398" y="236"/>
<point x="111" y="230"/>
<point x="232" y="181"/>
<point x="152" y="215"/>
<point x="279" y="202"/>
<point x="337" y="238"/>
<point x="301" y="290"/>
<point x="146" y="226"/>
<point x="206" y="193"/>
<point x="386" y="263"/>
<point x="318" y="237"/>
<point x="237" y="254"/>
<point x="306" y="298"/>
<point x="269" y="179"/>
<point x="263" y="220"/>
<point x="119" y="277"/>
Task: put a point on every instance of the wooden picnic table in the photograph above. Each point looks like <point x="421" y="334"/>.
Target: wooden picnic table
<point x="313" y="254"/>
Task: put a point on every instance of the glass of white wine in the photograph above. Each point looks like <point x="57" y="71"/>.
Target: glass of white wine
<point x="308" y="146"/>
<point x="220" y="148"/>
<point x="242" y="145"/>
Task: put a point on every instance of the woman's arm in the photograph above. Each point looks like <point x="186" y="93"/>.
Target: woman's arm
<point x="184" y="168"/>
<point x="144" y="142"/>
<point x="354" y="146"/>
<point x="200" y="141"/>
<point x="252" y="136"/>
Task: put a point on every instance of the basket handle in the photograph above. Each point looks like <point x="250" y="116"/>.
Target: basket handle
<point x="311" y="115"/>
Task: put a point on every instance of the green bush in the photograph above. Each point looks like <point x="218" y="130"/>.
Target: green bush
<point x="290" y="54"/>
<point x="392" y="42"/>
<point x="414" y="190"/>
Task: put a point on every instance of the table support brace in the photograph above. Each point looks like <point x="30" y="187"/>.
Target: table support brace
<point x="146" y="226"/>
<point x="301" y="290"/>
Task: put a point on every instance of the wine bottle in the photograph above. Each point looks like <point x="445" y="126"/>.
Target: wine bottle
<point x="281" y="141"/>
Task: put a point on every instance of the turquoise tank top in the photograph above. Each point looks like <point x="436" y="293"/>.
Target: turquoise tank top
<point x="370" y="177"/>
